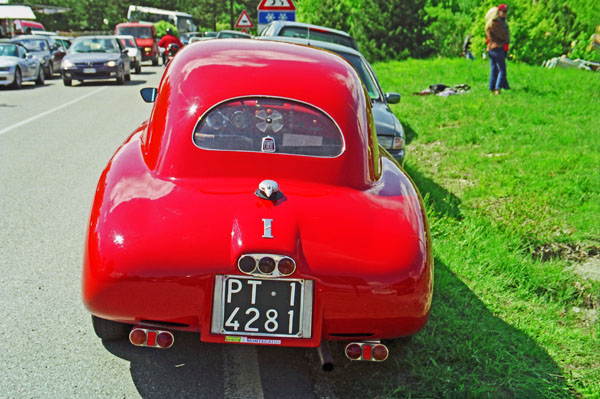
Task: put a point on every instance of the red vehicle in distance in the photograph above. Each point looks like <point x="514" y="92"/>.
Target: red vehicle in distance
<point x="253" y="208"/>
<point x="145" y="38"/>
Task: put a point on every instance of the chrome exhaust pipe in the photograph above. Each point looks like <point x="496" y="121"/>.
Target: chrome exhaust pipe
<point x="325" y="356"/>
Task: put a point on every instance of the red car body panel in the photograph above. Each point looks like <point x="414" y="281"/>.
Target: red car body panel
<point x="169" y="216"/>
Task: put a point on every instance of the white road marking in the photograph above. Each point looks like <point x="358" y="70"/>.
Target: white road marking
<point x="241" y="372"/>
<point x="26" y="121"/>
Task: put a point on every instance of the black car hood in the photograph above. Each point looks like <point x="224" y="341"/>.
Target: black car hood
<point x="92" y="57"/>
<point x="384" y="119"/>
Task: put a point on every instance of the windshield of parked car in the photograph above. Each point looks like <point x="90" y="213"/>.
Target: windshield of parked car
<point x="316" y="34"/>
<point x="141" y="32"/>
<point x="94" y="45"/>
<point x="34" y="44"/>
<point x="364" y="73"/>
<point x="8" y="50"/>
<point x="269" y="125"/>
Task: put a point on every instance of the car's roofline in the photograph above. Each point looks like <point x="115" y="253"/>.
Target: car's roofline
<point x="314" y="43"/>
<point x="305" y="25"/>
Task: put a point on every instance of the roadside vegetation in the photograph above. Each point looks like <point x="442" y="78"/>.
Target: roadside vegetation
<point x="512" y="187"/>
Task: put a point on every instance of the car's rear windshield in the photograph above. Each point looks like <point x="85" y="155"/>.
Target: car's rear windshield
<point x="317" y="34"/>
<point x="269" y="125"/>
<point x="141" y="32"/>
<point x="129" y="43"/>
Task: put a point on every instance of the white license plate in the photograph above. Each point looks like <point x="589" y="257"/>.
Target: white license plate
<point x="262" y="306"/>
<point x="89" y="70"/>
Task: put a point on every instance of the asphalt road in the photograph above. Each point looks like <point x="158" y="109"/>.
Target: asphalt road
<point x="54" y="143"/>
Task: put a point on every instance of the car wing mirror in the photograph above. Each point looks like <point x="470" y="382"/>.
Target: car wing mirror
<point x="392" y="98"/>
<point x="149" y="94"/>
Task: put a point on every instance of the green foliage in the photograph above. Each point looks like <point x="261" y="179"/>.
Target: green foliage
<point x="393" y="29"/>
<point x="337" y="14"/>
<point x="501" y="176"/>
<point x="162" y="26"/>
<point x="447" y="30"/>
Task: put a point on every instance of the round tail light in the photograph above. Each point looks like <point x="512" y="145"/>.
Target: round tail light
<point x="266" y="265"/>
<point x="380" y="352"/>
<point x="137" y="337"/>
<point x="286" y="266"/>
<point x="353" y="351"/>
<point x="164" y="339"/>
<point x="247" y="264"/>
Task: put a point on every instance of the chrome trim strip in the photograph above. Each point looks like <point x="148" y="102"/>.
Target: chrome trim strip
<point x="307" y="309"/>
<point x="218" y="302"/>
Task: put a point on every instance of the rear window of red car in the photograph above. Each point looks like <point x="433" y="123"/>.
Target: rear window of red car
<point x="269" y="125"/>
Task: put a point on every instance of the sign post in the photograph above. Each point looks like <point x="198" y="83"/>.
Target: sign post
<point x="244" y="22"/>
<point x="271" y="10"/>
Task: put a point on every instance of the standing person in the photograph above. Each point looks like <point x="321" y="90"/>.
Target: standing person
<point x="498" y="38"/>
<point x="167" y="39"/>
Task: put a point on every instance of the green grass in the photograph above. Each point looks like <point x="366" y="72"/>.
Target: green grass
<point x="512" y="186"/>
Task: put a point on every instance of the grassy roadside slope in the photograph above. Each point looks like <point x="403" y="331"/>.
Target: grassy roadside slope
<point x="512" y="184"/>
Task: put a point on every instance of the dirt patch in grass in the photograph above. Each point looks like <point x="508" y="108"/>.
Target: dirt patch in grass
<point x="577" y="252"/>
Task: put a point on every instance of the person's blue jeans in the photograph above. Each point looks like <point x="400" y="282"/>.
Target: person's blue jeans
<point x="498" y="78"/>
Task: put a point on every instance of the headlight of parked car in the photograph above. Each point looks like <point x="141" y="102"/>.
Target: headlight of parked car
<point x="67" y="64"/>
<point x="111" y="64"/>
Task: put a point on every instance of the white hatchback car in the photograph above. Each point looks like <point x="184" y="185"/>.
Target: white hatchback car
<point x="135" y="55"/>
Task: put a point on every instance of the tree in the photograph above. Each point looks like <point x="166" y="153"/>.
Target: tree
<point x="391" y="29"/>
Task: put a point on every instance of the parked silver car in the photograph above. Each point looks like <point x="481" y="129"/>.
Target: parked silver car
<point x="39" y="47"/>
<point x="17" y="65"/>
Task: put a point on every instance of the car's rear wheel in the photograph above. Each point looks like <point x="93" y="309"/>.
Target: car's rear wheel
<point x="138" y="68"/>
<point x="67" y="82"/>
<point x="18" y="79"/>
<point x="128" y="77"/>
<point x="155" y="61"/>
<point x="110" y="330"/>
<point x="40" y="78"/>
<point x="50" y="70"/>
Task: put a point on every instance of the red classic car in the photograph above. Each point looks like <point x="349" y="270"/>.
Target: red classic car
<point x="255" y="207"/>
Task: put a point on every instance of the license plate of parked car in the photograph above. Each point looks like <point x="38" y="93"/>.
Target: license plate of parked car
<point x="89" y="70"/>
<point x="261" y="306"/>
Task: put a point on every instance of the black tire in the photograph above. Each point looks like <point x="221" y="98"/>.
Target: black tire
<point x="67" y="82"/>
<point x="138" y="68"/>
<point x="110" y="330"/>
<point x="41" y="79"/>
<point x="128" y="77"/>
<point x="120" y="76"/>
<point x="50" y="70"/>
<point x="155" y="61"/>
<point x="18" y="80"/>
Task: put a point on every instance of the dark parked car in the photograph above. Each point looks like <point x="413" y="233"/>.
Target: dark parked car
<point x="308" y="31"/>
<point x="96" y="57"/>
<point x="390" y="132"/>
<point x="40" y="48"/>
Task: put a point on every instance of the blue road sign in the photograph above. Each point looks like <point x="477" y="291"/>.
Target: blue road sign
<point x="265" y="17"/>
